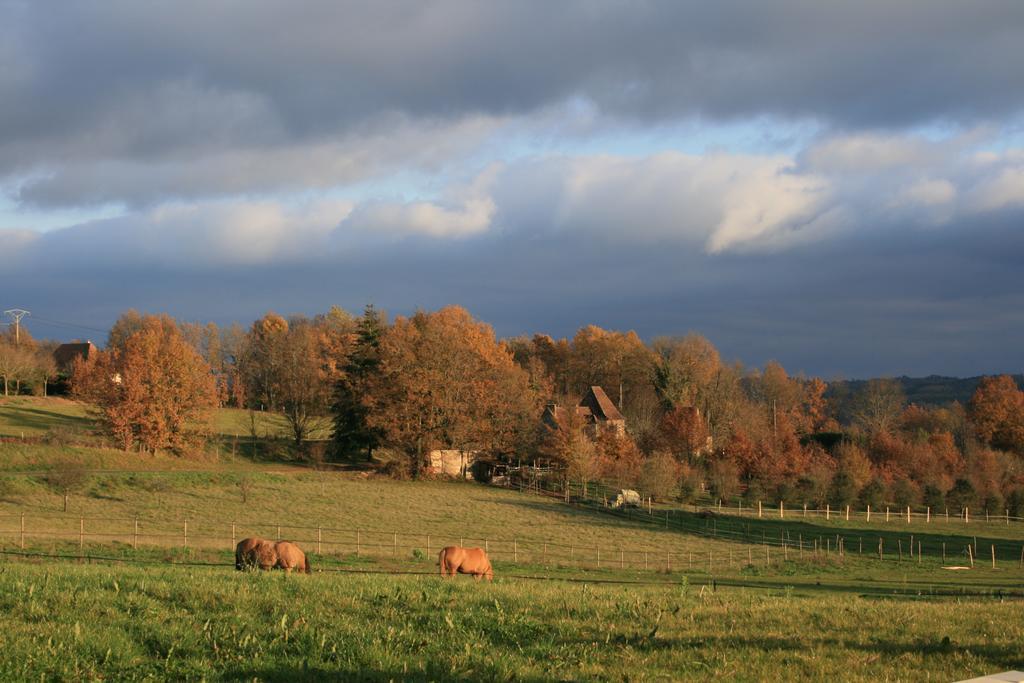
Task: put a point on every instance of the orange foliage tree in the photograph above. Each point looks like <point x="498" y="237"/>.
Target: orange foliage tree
<point x="153" y="390"/>
<point x="997" y="413"/>
<point x="445" y="381"/>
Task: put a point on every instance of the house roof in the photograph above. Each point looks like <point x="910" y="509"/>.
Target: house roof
<point x="600" y="405"/>
<point x="595" y="407"/>
<point x="65" y="354"/>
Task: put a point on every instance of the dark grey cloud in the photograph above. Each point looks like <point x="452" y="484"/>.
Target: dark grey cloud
<point x="945" y="302"/>
<point x="127" y="83"/>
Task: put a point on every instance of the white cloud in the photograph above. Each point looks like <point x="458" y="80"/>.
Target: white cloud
<point x="1005" y="189"/>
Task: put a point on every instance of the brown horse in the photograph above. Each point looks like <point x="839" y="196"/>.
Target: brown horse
<point x="255" y="552"/>
<point x="290" y="556"/>
<point x="465" y="561"/>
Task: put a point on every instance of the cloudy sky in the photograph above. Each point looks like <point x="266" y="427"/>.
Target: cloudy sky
<point x="836" y="186"/>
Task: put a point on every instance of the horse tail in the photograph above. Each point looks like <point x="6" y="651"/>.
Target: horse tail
<point x="440" y="560"/>
<point x="306" y="568"/>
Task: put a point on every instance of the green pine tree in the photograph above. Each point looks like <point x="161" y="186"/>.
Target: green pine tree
<point x="352" y="435"/>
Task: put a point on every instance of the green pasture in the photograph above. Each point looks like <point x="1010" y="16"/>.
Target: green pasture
<point x="135" y="580"/>
<point x="68" y="621"/>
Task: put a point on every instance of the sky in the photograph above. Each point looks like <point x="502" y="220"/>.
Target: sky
<point x="835" y="186"/>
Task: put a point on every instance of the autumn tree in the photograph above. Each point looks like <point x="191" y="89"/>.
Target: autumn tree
<point x="445" y="382"/>
<point x="304" y="377"/>
<point x="878" y="405"/>
<point x="152" y="389"/>
<point x="17" y="364"/>
<point x="620" y="461"/>
<point x="683" y="433"/>
<point x="997" y="412"/>
<point x="618" y="362"/>
<point x="261" y="360"/>
<point x="684" y="368"/>
<point x="569" y="446"/>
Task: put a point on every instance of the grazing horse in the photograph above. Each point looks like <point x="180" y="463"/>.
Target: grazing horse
<point x="465" y="561"/>
<point x="290" y="556"/>
<point x="255" y="552"/>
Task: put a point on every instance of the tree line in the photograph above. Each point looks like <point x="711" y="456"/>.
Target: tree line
<point x="443" y="380"/>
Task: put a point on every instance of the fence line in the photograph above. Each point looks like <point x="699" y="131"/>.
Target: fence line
<point x="723" y="551"/>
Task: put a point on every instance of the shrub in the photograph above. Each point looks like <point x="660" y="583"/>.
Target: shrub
<point x="993" y="503"/>
<point x="962" y="495"/>
<point x="399" y="469"/>
<point x="1015" y="502"/>
<point x="873" y="494"/>
<point x="65" y="479"/>
<point x="843" y="489"/>
<point x="755" y="491"/>
<point x="932" y="497"/>
<point x="660" y="475"/>
<point x="905" y="493"/>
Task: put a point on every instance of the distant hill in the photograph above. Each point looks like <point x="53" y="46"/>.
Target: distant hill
<point x="931" y="390"/>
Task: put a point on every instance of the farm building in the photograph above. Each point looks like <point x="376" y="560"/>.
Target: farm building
<point x="597" y="411"/>
<point x="66" y="354"/>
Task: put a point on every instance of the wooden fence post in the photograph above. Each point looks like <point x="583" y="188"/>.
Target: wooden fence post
<point x="185" y="537"/>
<point x="886" y="514"/>
<point x="135" y="536"/>
<point x="598" y="557"/>
<point x="22" y="530"/>
<point x="622" y="559"/>
<point x="319" y="538"/>
<point x="758" y="508"/>
<point x="928" y="515"/>
<point x="781" y="513"/>
<point x="81" y="533"/>
<point x="668" y="561"/>
<point x="879" y="547"/>
<point x="827" y="511"/>
<point x="970" y="554"/>
<point x="869" y="513"/>
<point x="394" y="550"/>
<point x="847" y="513"/>
<point x="908" y="514"/>
<point x="645" y="559"/>
<point x="967" y="515"/>
<point x="428" y="545"/>
<point x="233" y="544"/>
<point x="279" y="532"/>
<point x="515" y="553"/>
<point x="919" y="553"/>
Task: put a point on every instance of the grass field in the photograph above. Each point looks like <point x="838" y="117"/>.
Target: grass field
<point x="692" y="596"/>
<point x="76" y="622"/>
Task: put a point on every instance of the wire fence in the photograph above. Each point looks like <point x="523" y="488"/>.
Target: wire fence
<point x="706" y="546"/>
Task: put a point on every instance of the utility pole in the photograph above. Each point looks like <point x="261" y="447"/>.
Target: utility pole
<point x="17" y="314"/>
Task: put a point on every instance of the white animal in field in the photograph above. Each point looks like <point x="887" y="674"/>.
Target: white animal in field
<point x="627" y="498"/>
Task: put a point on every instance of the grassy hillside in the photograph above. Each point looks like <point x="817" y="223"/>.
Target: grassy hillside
<point x="32" y="416"/>
<point x="136" y="579"/>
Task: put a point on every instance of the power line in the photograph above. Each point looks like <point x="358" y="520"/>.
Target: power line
<point x="58" y="323"/>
